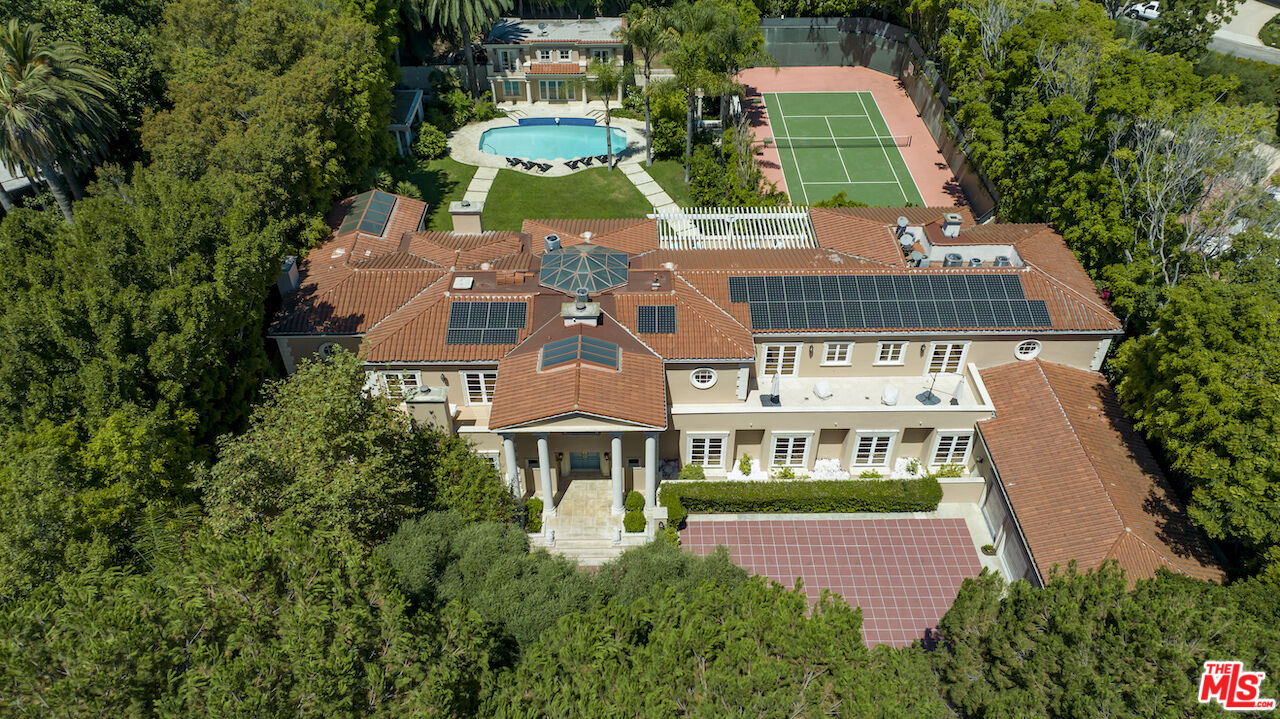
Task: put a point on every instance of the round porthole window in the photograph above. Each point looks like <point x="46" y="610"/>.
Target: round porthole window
<point x="328" y="349"/>
<point x="1027" y="350"/>
<point x="703" y="377"/>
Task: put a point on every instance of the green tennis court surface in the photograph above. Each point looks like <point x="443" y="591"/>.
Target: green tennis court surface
<point x="832" y="142"/>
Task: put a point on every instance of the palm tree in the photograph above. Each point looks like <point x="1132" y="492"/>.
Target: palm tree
<point x="606" y="78"/>
<point x="649" y="35"/>
<point x="463" y="17"/>
<point x="690" y="59"/>
<point x="54" y="108"/>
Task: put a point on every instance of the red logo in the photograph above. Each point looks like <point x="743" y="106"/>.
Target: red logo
<point x="1234" y="688"/>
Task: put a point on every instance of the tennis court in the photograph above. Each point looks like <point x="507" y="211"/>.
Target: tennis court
<point x="832" y="142"/>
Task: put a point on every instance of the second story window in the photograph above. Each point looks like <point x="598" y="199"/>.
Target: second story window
<point x="397" y="385"/>
<point x="781" y="359"/>
<point x="872" y="449"/>
<point x="890" y="352"/>
<point x="565" y="55"/>
<point x="837" y="353"/>
<point x="602" y="55"/>
<point x="480" y="386"/>
<point x="952" y="448"/>
<point x="947" y="357"/>
<point x="544" y="55"/>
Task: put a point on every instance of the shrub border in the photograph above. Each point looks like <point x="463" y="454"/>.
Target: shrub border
<point x="921" y="494"/>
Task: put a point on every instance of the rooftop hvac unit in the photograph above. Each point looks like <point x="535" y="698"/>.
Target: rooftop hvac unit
<point x="1002" y="261"/>
<point x="953" y="259"/>
<point x="951" y="224"/>
<point x="975" y="262"/>
<point x="902" y="227"/>
<point x="553" y="242"/>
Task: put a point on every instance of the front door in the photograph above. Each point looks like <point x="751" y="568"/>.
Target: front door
<point x="551" y="90"/>
<point x="585" y="462"/>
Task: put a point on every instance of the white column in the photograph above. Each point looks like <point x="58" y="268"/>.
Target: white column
<point x="616" y="463"/>
<point x="528" y="92"/>
<point x="513" y="470"/>
<point x="650" y="470"/>
<point x="544" y="472"/>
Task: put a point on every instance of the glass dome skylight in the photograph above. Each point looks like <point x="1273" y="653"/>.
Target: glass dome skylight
<point x="590" y="267"/>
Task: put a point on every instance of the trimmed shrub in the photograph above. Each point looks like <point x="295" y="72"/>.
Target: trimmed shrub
<point x="431" y="143"/>
<point x="786" y="473"/>
<point x="951" y="470"/>
<point x="870" y="474"/>
<point x="633" y="521"/>
<point x="533" y="515"/>
<point x="896" y="495"/>
<point x="692" y="471"/>
<point x="634" y="501"/>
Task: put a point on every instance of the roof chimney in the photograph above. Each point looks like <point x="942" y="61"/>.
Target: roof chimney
<point x="466" y="217"/>
<point x="951" y="224"/>
<point x="580" y="298"/>
<point x="580" y="311"/>
<point x="552" y="242"/>
<point x="288" y="280"/>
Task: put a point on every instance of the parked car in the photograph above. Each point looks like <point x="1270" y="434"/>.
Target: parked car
<point x="1144" y="11"/>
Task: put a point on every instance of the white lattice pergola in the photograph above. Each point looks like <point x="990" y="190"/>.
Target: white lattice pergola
<point x="727" y="228"/>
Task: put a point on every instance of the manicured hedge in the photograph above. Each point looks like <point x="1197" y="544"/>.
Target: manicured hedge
<point x="853" y="495"/>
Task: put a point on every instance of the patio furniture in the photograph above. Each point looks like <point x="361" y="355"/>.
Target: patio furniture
<point x="602" y="159"/>
<point x="572" y="164"/>
<point x="513" y="161"/>
<point x="528" y="164"/>
<point x="543" y="166"/>
<point x="586" y="161"/>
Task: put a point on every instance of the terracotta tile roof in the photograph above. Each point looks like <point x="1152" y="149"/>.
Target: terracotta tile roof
<point x="555" y="68"/>
<point x="632" y="235"/>
<point x="703" y="330"/>
<point x="866" y="231"/>
<point x="1082" y="483"/>
<point x="635" y="393"/>
<point x="783" y="261"/>
<point x="449" y="250"/>
<point x="417" y="332"/>
<point x="341" y="301"/>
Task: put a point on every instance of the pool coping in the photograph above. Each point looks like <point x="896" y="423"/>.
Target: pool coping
<point x="464" y="144"/>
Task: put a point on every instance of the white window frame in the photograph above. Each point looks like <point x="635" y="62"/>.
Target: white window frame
<point x="891" y="434"/>
<point x="403" y="387"/>
<point x="603" y="54"/>
<point x="703" y="385"/>
<point x="544" y="54"/>
<point x="781" y="348"/>
<point x="900" y="345"/>
<point x="491" y="455"/>
<point x="546" y="87"/>
<point x="705" y="437"/>
<point x="827" y="348"/>
<point x="487" y="381"/>
<point x="952" y="434"/>
<point x="565" y="55"/>
<point x="507" y="61"/>
<point x="1035" y="351"/>
<point x="959" y="361"/>
<point x="791" y="438"/>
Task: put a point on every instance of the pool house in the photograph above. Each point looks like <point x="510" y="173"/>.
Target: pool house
<point x="547" y="60"/>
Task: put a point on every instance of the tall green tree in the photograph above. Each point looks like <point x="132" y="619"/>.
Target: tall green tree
<point x="464" y="19"/>
<point x="55" y="108"/>
<point x="1205" y="386"/>
<point x="607" y="79"/>
<point x="265" y="623"/>
<point x="1185" y="27"/>
<point x="649" y="36"/>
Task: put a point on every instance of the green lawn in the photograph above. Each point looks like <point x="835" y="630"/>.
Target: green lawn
<point x="441" y="182"/>
<point x="588" y="194"/>
<point x="669" y="174"/>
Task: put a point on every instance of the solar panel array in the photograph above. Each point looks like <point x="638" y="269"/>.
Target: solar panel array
<point x="369" y="212"/>
<point x="656" y="319"/>
<point x="485" y="323"/>
<point x="832" y="302"/>
<point x="581" y="347"/>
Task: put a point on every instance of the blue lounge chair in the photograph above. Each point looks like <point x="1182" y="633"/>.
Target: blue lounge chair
<point x="527" y="164"/>
<point x="542" y="166"/>
<point x="572" y="164"/>
<point x="513" y="161"/>
<point x="586" y="161"/>
<point x="602" y="159"/>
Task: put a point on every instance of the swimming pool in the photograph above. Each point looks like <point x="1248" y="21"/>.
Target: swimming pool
<point x="550" y="141"/>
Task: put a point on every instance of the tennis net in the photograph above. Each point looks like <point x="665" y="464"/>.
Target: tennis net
<point x="886" y="141"/>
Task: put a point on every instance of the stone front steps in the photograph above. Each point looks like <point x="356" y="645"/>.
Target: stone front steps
<point x="589" y="551"/>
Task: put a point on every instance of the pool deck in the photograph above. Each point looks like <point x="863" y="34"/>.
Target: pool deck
<point x="464" y="146"/>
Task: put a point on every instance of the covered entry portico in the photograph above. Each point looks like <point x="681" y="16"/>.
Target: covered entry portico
<point x="542" y="459"/>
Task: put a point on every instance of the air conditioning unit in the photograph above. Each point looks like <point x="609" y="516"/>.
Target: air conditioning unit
<point x="552" y="242"/>
<point x="975" y="262"/>
<point x="1002" y="261"/>
<point x="953" y="259"/>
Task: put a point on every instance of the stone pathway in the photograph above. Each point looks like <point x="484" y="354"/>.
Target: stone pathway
<point x="478" y="190"/>
<point x="648" y="187"/>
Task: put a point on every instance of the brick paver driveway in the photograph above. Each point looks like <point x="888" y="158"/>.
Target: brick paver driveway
<point x="904" y="573"/>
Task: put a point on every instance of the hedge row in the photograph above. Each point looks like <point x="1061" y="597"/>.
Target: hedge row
<point x="853" y="495"/>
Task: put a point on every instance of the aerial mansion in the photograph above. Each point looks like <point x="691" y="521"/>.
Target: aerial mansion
<point x="834" y="343"/>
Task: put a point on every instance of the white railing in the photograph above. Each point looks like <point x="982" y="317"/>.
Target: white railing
<point x="724" y="228"/>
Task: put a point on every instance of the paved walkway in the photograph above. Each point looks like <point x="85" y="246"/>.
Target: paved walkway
<point x="648" y="187"/>
<point x="481" y="182"/>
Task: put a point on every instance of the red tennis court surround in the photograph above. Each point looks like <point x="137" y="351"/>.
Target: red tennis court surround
<point x="904" y="573"/>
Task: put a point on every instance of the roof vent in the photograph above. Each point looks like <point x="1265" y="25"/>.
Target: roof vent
<point x="553" y="242"/>
<point x="1002" y="261"/>
<point x="889" y="397"/>
<point x="586" y="237"/>
<point x="463" y="283"/>
<point x="951" y="224"/>
<point x="975" y="261"/>
<point x="953" y="259"/>
<point x="580" y="299"/>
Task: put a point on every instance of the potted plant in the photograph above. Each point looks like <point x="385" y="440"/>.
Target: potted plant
<point x="989" y="550"/>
